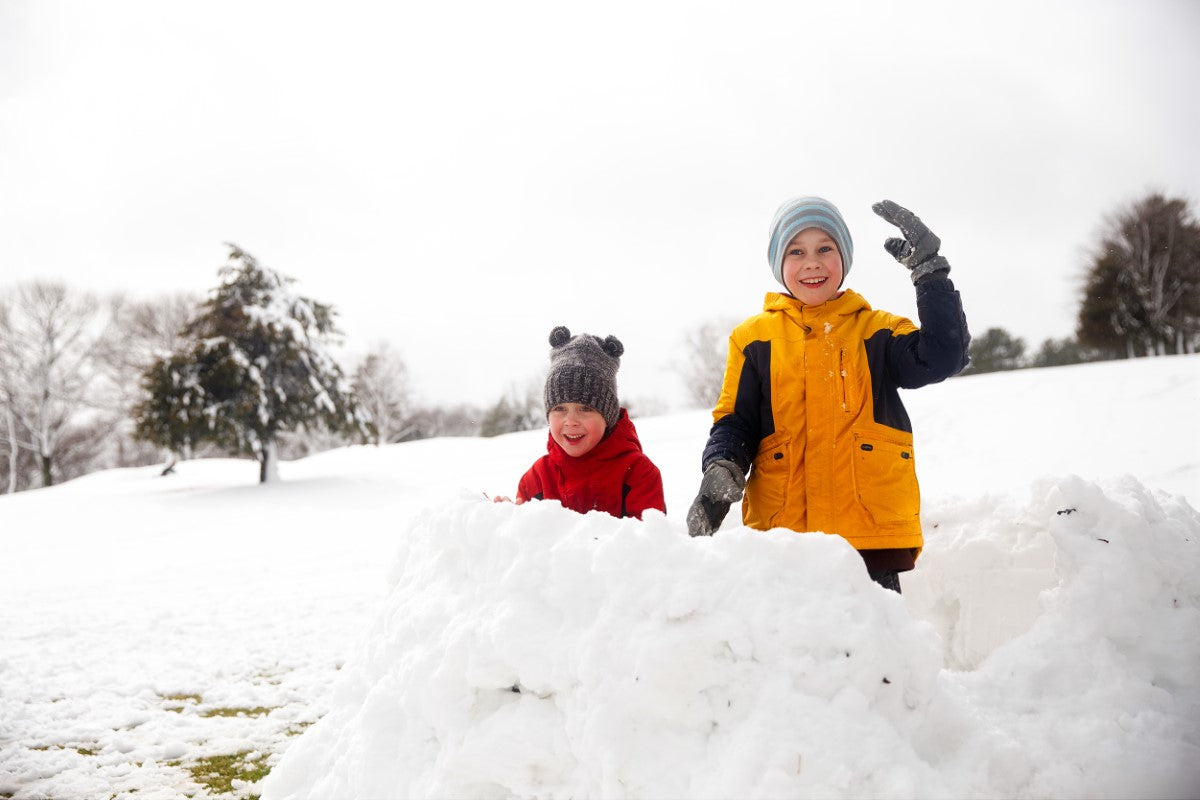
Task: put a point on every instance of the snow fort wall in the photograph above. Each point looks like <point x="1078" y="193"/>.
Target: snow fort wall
<point x="529" y="651"/>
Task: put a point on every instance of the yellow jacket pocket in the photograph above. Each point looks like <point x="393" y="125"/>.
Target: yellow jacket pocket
<point x="885" y="478"/>
<point x="768" y="485"/>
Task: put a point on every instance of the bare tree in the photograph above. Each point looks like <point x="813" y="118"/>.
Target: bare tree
<point x="18" y="468"/>
<point x="381" y="384"/>
<point x="12" y="442"/>
<point x="140" y="331"/>
<point x="704" y="351"/>
<point x="1142" y="292"/>
<point x="428" y="422"/>
<point x="48" y="341"/>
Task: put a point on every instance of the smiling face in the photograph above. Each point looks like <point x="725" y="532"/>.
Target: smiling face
<point x="812" y="267"/>
<point x="576" y="428"/>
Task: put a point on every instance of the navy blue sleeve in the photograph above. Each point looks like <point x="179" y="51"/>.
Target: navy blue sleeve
<point x="939" y="349"/>
<point x="735" y="435"/>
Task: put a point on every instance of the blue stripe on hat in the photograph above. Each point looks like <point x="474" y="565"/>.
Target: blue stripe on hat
<point x="808" y="212"/>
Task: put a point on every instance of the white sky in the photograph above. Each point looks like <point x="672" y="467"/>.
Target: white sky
<point x="458" y="178"/>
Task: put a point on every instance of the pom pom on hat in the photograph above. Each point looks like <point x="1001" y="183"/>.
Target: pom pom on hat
<point x="583" y="369"/>
<point x="559" y="336"/>
<point x="612" y="346"/>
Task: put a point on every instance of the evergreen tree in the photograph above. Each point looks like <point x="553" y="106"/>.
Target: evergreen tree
<point x="1060" y="352"/>
<point x="516" y="410"/>
<point x="997" y="350"/>
<point x="254" y="364"/>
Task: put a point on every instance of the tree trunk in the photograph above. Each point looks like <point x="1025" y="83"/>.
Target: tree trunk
<point x="13" y="451"/>
<point x="47" y="472"/>
<point x="268" y="459"/>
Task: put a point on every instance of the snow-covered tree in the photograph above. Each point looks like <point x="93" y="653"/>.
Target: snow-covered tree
<point x="255" y="363"/>
<point x="49" y="336"/>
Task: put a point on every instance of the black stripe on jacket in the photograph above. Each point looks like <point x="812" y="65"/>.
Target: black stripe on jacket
<point x="931" y="354"/>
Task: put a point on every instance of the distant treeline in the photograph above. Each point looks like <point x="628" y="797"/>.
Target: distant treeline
<point x="1140" y="295"/>
<point x="89" y="384"/>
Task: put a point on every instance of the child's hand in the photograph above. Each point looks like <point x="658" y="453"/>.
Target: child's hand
<point x="721" y="486"/>
<point x="918" y="250"/>
<point x="503" y="499"/>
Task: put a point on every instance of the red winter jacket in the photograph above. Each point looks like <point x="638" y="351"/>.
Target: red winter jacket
<point x="615" y="476"/>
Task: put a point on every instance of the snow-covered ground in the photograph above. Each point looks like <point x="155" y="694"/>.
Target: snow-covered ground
<point x="1047" y="645"/>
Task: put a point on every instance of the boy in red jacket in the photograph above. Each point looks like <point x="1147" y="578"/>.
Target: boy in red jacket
<point x="594" y="460"/>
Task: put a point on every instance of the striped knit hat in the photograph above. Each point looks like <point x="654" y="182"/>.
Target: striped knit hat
<point x="808" y="212"/>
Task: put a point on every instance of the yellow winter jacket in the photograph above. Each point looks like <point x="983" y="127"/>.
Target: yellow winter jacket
<point x="810" y="408"/>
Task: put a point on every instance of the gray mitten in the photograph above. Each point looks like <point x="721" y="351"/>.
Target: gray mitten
<point x="721" y="486"/>
<point x="918" y="250"/>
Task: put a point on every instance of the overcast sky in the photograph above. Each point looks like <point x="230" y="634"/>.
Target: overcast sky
<point x="458" y="178"/>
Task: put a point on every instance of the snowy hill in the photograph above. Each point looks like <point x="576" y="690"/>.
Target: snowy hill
<point x="1048" y="644"/>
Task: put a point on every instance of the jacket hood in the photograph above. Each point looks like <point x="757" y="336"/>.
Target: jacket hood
<point x="619" y="442"/>
<point x="847" y="303"/>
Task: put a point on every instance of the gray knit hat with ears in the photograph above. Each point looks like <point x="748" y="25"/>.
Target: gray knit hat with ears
<point x="583" y="369"/>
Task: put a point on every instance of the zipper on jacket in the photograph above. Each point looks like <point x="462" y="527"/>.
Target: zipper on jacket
<point x="842" y="378"/>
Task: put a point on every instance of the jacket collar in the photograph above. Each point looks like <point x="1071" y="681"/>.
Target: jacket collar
<point x="619" y="442"/>
<point x="847" y="303"/>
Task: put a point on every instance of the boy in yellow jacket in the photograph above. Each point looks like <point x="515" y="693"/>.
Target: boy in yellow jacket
<point x="809" y="423"/>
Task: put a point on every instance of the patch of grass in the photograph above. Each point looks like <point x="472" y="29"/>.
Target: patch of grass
<point x="217" y="773"/>
<point x="178" y="702"/>
<point x="43" y="748"/>
<point x="257" y="711"/>
<point x="296" y="728"/>
<point x="274" y="678"/>
<point x="183" y="698"/>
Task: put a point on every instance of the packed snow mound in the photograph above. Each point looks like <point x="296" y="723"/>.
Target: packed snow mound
<point x="529" y="651"/>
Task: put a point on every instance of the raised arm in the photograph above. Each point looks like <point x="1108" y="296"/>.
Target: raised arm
<point x="939" y="349"/>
